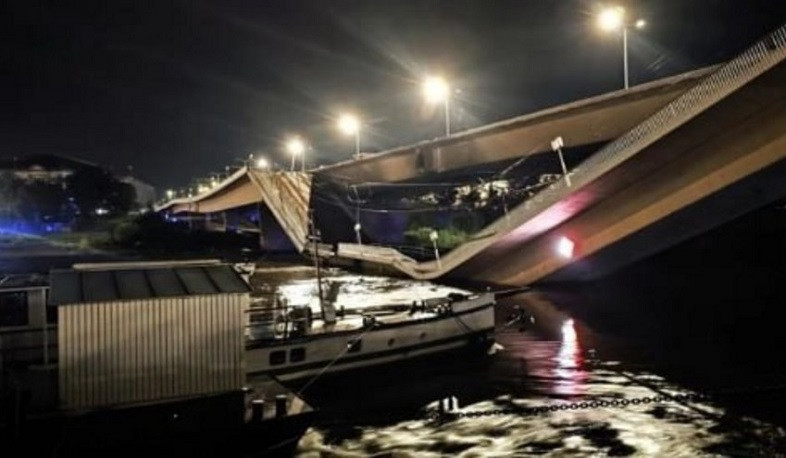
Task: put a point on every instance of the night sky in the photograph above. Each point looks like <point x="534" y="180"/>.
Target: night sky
<point x="179" y="89"/>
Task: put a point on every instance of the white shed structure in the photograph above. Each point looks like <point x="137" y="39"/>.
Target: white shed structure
<point x="148" y="332"/>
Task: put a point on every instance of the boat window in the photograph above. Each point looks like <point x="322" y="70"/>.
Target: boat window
<point x="51" y="314"/>
<point x="354" y="345"/>
<point x="278" y="357"/>
<point x="297" y="354"/>
<point x="13" y="309"/>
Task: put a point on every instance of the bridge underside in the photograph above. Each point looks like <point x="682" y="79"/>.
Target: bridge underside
<point x="658" y="198"/>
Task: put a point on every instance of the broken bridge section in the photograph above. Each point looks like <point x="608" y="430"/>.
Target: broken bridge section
<point x="287" y="195"/>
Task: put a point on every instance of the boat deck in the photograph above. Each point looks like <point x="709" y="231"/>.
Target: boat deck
<point x="347" y="323"/>
<point x="355" y="322"/>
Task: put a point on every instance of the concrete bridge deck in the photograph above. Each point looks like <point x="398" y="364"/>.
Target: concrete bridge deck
<point x="714" y="130"/>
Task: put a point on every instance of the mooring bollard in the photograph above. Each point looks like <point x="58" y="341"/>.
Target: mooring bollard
<point x="257" y="410"/>
<point x="281" y="405"/>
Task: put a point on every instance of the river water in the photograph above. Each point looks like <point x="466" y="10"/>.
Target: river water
<point x="562" y="360"/>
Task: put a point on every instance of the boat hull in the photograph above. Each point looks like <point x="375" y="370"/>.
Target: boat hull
<point x="471" y="327"/>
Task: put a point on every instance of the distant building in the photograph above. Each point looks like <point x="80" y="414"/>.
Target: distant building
<point x="62" y="171"/>
<point x="47" y="168"/>
<point x="145" y="193"/>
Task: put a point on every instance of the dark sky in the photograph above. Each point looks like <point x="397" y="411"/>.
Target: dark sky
<point x="179" y="89"/>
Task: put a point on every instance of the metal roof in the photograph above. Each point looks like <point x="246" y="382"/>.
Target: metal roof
<point x="75" y="286"/>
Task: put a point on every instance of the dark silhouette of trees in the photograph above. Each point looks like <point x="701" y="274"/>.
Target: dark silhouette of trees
<point x="96" y="191"/>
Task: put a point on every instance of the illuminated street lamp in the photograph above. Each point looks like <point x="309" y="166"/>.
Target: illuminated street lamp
<point x="434" y="236"/>
<point x="170" y="193"/>
<point x="350" y="125"/>
<point x="296" y="147"/>
<point x="437" y="90"/>
<point x="358" y="229"/>
<point x="262" y="163"/>
<point x="613" y="19"/>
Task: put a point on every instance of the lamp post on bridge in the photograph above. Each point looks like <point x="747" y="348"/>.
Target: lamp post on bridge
<point x="556" y="146"/>
<point x="614" y="18"/>
<point x="297" y="147"/>
<point x="349" y="124"/>
<point x="437" y="90"/>
<point x="434" y="236"/>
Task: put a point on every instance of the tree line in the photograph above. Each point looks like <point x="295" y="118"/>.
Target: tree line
<point x="86" y="194"/>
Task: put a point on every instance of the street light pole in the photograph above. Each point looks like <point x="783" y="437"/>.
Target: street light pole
<point x="625" y="54"/>
<point x="614" y="19"/>
<point x="297" y="147"/>
<point x="556" y="146"/>
<point x="447" y="116"/>
<point x="350" y="125"/>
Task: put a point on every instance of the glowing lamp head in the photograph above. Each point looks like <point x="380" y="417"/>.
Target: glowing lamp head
<point x="611" y="18"/>
<point x="565" y="247"/>
<point x="348" y="124"/>
<point x="262" y="163"/>
<point x="641" y="23"/>
<point x="170" y="193"/>
<point x="296" y="147"/>
<point x="435" y="89"/>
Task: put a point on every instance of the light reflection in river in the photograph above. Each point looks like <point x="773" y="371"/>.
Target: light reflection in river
<point x="553" y="371"/>
<point x="569" y="374"/>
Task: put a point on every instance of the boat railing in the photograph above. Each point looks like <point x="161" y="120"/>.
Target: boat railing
<point x="275" y="323"/>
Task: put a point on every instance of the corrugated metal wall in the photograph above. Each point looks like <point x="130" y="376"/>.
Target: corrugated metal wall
<point x="154" y="349"/>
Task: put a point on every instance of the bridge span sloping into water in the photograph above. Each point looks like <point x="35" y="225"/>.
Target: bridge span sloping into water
<point x="711" y="149"/>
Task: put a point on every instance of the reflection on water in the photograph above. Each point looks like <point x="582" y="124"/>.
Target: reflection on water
<point x="542" y="367"/>
<point x="569" y="374"/>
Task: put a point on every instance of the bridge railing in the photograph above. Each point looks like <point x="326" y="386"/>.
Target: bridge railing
<point x="728" y="78"/>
